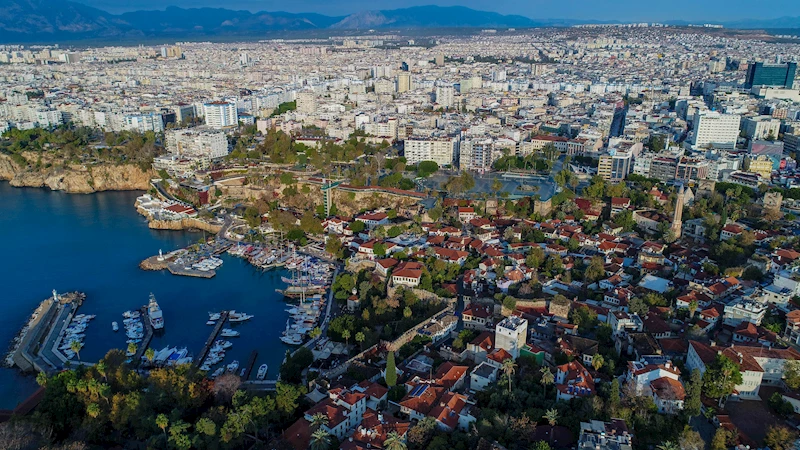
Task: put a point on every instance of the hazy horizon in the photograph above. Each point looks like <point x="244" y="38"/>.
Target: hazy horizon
<point x="622" y="10"/>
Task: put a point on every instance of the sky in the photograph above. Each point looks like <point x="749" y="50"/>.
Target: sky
<point x="623" y="10"/>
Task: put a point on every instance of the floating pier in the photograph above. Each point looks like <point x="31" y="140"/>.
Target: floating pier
<point x="213" y="337"/>
<point x="148" y="336"/>
<point x="250" y="363"/>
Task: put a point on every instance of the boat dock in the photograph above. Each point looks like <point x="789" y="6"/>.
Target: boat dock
<point x="148" y="336"/>
<point x="177" y="269"/>
<point x="214" y="333"/>
<point x="250" y="363"/>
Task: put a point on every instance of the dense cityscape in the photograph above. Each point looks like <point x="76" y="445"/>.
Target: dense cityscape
<point x="553" y="238"/>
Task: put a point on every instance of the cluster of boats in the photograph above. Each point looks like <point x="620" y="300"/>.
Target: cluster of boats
<point x="233" y="316"/>
<point x="216" y="354"/>
<point x="302" y="319"/>
<point x="206" y="264"/>
<point x="171" y="356"/>
<point x="310" y="276"/>
<point x="260" y="256"/>
<point x="134" y="328"/>
<point x="74" y="333"/>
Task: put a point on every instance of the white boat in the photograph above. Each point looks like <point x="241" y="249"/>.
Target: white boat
<point x="214" y="316"/>
<point x="223" y="344"/>
<point x="211" y="322"/>
<point x="292" y="339"/>
<point x="233" y="366"/>
<point x="227" y="332"/>
<point x="262" y="372"/>
<point x="239" y="317"/>
<point x="205" y="367"/>
<point x="131" y="314"/>
<point x="154" y="313"/>
<point x="244" y="370"/>
<point x="218" y="372"/>
<point x="115" y="326"/>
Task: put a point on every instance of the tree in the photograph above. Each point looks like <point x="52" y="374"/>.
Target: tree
<point x="691" y="439"/>
<point x="721" y="377"/>
<point x="720" y="439"/>
<point x="613" y="395"/>
<point x="318" y="420"/>
<point x="791" y="374"/>
<point x="150" y="354"/>
<point x="391" y="371"/>
<point x="595" y="270"/>
<point x="41" y="379"/>
<point x="551" y="416"/>
<point x="320" y="440"/>
<point x="509" y="368"/>
<point x="132" y="348"/>
<point x="360" y="339"/>
<point x="693" y="390"/>
<point x="668" y="445"/>
<point x="421" y="433"/>
<point x="547" y="378"/>
<point x="93" y="410"/>
<point x="357" y="226"/>
<point x="76" y="347"/>
<point x="780" y="438"/>
<point x="540" y="445"/>
<point x="638" y="306"/>
<point x="346" y="336"/>
<point x="394" y="442"/>
<point x="598" y="361"/>
<point x="162" y="422"/>
<point x="225" y="386"/>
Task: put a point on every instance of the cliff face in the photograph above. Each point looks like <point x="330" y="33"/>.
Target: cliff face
<point x="183" y="224"/>
<point x="77" y="178"/>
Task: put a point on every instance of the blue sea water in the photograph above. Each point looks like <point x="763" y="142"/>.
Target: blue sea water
<point x="94" y="243"/>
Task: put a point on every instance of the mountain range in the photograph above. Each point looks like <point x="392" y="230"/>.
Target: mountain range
<point x="29" y="21"/>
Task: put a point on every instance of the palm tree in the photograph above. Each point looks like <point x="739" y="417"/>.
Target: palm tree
<point x="551" y="416"/>
<point x="318" y="420"/>
<point x="76" y="346"/>
<point x="597" y="361"/>
<point x="320" y="440"/>
<point x="101" y="369"/>
<point x="41" y="379"/>
<point x="132" y="348"/>
<point x="360" y="339"/>
<point x="346" y="336"/>
<point x="93" y="410"/>
<point x="509" y="368"/>
<point x="315" y="333"/>
<point x="150" y="354"/>
<point x="547" y="378"/>
<point x="668" y="445"/>
<point x="162" y="422"/>
<point x="394" y="442"/>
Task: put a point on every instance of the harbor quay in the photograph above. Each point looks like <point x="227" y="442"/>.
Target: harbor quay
<point x="36" y="348"/>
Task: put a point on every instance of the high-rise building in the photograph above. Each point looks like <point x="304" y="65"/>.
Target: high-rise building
<point x="197" y="143"/>
<point x="440" y="150"/>
<point x="220" y="114"/>
<point x="762" y="74"/>
<point x="511" y="335"/>
<point x="306" y="102"/>
<point x="761" y="127"/>
<point x="476" y="154"/>
<point x="445" y="96"/>
<point x="404" y="82"/>
<point x="715" y="129"/>
<point x="439" y="59"/>
<point x="615" y="165"/>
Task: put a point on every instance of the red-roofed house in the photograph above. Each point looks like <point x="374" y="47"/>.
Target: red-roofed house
<point x="407" y="273"/>
<point x="573" y="381"/>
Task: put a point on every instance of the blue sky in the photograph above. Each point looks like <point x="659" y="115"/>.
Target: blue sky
<point x="627" y="10"/>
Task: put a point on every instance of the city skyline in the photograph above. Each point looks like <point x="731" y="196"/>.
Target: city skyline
<point x="624" y="10"/>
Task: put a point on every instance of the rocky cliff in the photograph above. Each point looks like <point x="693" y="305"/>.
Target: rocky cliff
<point x="77" y="178"/>
<point x="183" y="224"/>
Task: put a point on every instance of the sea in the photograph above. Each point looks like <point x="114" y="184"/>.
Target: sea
<point x="93" y="243"/>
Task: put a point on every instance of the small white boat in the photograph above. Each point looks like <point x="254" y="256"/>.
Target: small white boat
<point x="214" y="316"/>
<point x="262" y="372"/>
<point x="233" y="366"/>
<point x="211" y="322"/>
<point x="218" y="372"/>
<point x="227" y="332"/>
<point x="115" y="326"/>
<point x="241" y="374"/>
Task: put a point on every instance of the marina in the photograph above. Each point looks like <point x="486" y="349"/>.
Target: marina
<point x="81" y="231"/>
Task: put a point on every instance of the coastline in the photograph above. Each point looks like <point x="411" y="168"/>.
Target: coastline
<point x="77" y="178"/>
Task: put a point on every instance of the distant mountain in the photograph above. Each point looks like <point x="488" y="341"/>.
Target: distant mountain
<point x="29" y="21"/>
<point x="432" y="17"/>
